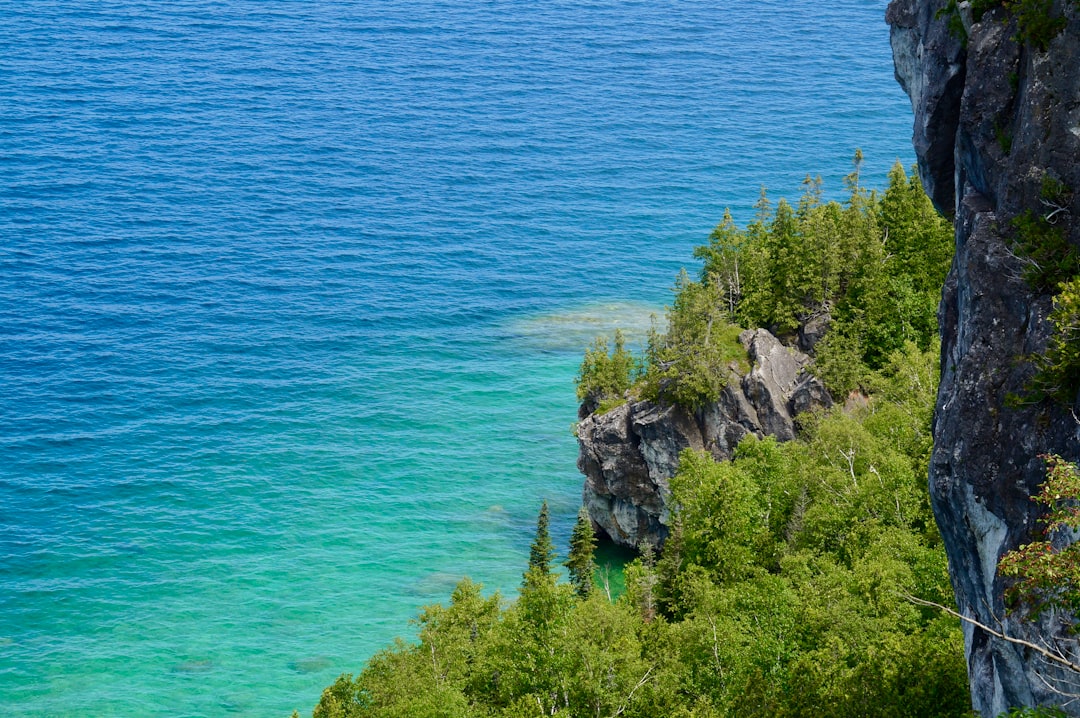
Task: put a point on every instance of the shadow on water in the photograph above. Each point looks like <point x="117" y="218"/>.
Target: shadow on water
<point x="193" y="666"/>
<point x="306" y="666"/>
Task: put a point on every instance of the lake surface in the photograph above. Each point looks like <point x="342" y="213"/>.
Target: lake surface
<point x="292" y="294"/>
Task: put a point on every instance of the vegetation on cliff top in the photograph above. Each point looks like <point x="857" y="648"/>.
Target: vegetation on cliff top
<point x="1037" y="22"/>
<point x="870" y="269"/>
<point x="779" y="592"/>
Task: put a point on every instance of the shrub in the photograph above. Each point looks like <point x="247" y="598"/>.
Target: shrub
<point x="1048" y="576"/>
<point x="1058" y="368"/>
<point x="1048" y="257"/>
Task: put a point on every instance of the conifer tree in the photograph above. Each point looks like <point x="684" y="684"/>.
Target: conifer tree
<point x="580" y="562"/>
<point x="542" y="550"/>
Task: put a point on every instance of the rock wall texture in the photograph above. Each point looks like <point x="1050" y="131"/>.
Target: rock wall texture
<point x="628" y="454"/>
<point x="992" y="118"/>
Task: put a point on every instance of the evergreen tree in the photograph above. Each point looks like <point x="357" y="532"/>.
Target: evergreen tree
<point x="542" y="551"/>
<point x="580" y="562"/>
<point x="604" y="378"/>
<point x="779" y="592"/>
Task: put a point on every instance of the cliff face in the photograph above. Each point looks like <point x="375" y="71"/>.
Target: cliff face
<point x="992" y="119"/>
<point x="629" y="453"/>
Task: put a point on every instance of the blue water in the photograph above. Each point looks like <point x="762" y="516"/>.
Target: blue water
<point x="292" y="295"/>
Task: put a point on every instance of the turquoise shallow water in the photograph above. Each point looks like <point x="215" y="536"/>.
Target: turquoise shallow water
<point x="292" y="295"/>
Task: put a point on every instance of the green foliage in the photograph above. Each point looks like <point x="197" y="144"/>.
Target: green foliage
<point x="1048" y="575"/>
<point x="1049" y="258"/>
<point x="874" y="264"/>
<point x="778" y="592"/>
<point x="1052" y="265"/>
<point x="1053" y="190"/>
<point x="690" y="362"/>
<point x="579" y="562"/>
<point x="725" y="520"/>
<point x="342" y="699"/>
<point x="1036" y="22"/>
<point x="605" y="377"/>
<point x="1004" y="138"/>
<point x="950" y="12"/>
<point x="1058" y="368"/>
<point x="542" y="550"/>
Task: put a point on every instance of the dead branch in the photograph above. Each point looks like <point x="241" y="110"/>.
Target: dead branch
<point x="1042" y="651"/>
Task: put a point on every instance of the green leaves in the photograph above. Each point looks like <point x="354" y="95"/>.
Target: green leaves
<point x="1047" y="256"/>
<point x="874" y="264"/>
<point x="579" y="563"/>
<point x="604" y="378"/>
<point x="778" y="590"/>
<point x="690" y="363"/>
<point x="1037" y="23"/>
<point x="793" y="559"/>
<point x="1058" y="368"/>
<point x="1048" y="575"/>
<point x="542" y="550"/>
<point x="778" y="594"/>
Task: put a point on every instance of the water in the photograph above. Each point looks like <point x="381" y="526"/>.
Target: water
<point x="292" y="295"/>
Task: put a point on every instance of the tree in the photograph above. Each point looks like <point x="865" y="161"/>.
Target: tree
<point x="580" y="562"/>
<point x="542" y="551"/>
<point x="689" y="364"/>
<point x="604" y="378"/>
<point x="721" y="257"/>
<point x="779" y="589"/>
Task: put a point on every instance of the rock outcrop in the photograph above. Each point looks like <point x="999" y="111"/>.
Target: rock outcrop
<point x="629" y="453"/>
<point x="992" y="119"/>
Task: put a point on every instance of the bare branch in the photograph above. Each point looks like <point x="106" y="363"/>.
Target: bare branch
<point x="630" y="697"/>
<point x="1042" y="651"/>
<point x="1056" y="210"/>
<point x="1071" y="696"/>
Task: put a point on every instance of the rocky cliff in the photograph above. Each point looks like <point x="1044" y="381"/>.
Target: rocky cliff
<point x="628" y="453"/>
<point x="993" y="117"/>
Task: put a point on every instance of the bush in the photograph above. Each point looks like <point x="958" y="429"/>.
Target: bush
<point x="1048" y="576"/>
<point x="1035" y="20"/>
<point x="1058" y="369"/>
<point x="1048" y="257"/>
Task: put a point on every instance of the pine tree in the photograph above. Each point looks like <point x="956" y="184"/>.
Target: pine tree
<point x="542" y="551"/>
<point x="580" y="562"/>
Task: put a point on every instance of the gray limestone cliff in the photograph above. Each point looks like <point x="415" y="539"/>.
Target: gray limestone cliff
<point x="629" y="453"/>
<point x="992" y="119"/>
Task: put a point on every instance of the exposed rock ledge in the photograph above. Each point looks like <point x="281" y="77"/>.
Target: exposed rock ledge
<point x="629" y="453"/>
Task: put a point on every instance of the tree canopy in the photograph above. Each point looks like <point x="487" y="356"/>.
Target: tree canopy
<point x="780" y="588"/>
